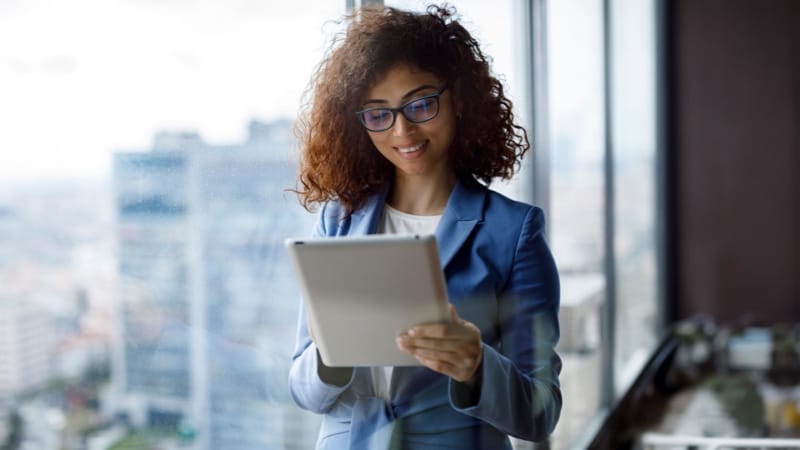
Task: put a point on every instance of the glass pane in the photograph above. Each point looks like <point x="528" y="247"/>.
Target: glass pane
<point x="145" y="296"/>
<point x="576" y="148"/>
<point x="634" y="146"/>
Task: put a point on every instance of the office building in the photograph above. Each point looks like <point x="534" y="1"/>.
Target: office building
<point x="207" y="301"/>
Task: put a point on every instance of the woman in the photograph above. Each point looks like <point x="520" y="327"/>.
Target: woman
<point x="405" y="128"/>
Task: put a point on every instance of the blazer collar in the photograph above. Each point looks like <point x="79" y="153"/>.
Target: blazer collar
<point x="463" y="211"/>
<point x="365" y="219"/>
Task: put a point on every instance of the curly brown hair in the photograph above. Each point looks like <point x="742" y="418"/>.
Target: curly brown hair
<point x="338" y="160"/>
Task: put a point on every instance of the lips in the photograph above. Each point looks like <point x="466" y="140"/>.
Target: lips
<point x="406" y="149"/>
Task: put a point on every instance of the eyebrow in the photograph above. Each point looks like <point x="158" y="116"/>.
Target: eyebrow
<point x="407" y="94"/>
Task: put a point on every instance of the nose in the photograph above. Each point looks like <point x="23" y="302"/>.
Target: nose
<point x="402" y="126"/>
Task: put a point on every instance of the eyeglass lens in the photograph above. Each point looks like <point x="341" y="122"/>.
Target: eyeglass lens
<point x="415" y="111"/>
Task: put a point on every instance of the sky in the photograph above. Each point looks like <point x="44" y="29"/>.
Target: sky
<point x="80" y="79"/>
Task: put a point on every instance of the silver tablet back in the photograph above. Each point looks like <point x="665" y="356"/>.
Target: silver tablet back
<point x="361" y="292"/>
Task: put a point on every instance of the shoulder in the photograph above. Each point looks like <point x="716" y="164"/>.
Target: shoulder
<point x="511" y="214"/>
<point x="497" y="215"/>
<point x="330" y="218"/>
<point x="333" y="211"/>
<point x="509" y="236"/>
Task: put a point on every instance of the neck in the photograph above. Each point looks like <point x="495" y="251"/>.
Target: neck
<point x="424" y="196"/>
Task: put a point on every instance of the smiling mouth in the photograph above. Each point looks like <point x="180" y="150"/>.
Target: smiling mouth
<point x="412" y="148"/>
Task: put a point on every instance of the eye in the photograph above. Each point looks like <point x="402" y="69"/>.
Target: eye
<point x="377" y="115"/>
<point x="422" y="109"/>
<point x="422" y="105"/>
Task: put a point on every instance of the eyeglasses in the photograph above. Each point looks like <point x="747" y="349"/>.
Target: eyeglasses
<point x="419" y="110"/>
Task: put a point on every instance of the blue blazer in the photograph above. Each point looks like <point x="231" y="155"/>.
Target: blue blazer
<point x="500" y="276"/>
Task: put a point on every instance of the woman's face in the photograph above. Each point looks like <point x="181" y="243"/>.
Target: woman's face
<point x="415" y="149"/>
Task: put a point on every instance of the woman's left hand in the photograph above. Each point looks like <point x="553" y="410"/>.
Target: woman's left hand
<point x="453" y="349"/>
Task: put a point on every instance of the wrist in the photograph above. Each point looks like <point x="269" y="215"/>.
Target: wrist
<point x="477" y="376"/>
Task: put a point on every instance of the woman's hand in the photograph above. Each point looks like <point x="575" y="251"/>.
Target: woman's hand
<point x="453" y="349"/>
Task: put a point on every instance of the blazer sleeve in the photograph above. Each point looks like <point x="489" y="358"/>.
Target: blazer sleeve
<point x="519" y="389"/>
<point x="314" y="386"/>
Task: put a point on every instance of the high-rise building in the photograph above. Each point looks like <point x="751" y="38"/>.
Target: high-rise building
<point x="25" y="337"/>
<point x="207" y="300"/>
<point x="153" y="356"/>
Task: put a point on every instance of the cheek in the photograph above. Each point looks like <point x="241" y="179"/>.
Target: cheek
<point x="447" y="133"/>
<point x="381" y="145"/>
<point x="448" y="124"/>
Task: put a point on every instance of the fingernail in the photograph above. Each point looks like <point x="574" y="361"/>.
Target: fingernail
<point x="411" y="332"/>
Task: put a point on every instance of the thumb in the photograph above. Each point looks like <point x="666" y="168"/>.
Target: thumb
<point x="453" y="314"/>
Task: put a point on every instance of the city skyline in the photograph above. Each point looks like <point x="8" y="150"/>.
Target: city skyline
<point x="206" y="298"/>
<point x="189" y="235"/>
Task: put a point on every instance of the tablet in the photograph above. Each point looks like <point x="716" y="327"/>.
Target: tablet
<point x="361" y="292"/>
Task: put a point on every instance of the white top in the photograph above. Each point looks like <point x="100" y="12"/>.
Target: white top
<point x="398" y="222"/>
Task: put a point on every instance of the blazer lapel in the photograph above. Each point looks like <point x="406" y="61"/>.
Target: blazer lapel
<point x="365" y="220"/>
<point x="463" y="211"/>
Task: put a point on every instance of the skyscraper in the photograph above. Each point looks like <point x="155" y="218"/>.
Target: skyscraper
<point x="207" y="300"/>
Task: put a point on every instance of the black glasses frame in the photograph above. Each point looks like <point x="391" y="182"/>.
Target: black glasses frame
<point x="401" y="109"/>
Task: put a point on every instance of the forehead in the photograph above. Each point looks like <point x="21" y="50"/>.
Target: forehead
<point x="400" y="79"/>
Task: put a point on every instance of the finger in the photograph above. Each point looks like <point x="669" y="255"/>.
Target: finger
<point x="446" y="368"/>
<point x="404" y="345"/>
<point x="458" y="353"/>
<point x="437" y="355"/>
<point x="461" y="361"/>
<point x="444" y="331"/>
<point x="455" y="344"/>
<point x="438" y="366"/>
<point x="436" y="330"/>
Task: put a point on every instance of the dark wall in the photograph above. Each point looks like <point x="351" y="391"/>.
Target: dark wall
<point x="734" y="83"/>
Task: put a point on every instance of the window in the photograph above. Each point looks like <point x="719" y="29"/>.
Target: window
<point x="576" y="133"/>
<point x="144" y="204"/>
<point x="143" y="142"/>
<point x="602" y="134"/>
<point x="633" y="145"/>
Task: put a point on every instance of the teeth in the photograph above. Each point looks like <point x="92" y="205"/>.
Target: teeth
<point x="410" y="149"/>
